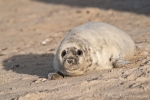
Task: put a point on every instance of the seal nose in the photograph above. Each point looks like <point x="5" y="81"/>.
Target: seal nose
<point x="70" y="61"/>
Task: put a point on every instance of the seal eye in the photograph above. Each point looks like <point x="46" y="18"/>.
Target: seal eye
<point x="63" y="53"/>
<point x="79" y="52"/>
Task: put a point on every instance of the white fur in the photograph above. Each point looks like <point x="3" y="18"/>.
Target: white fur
<point x="105" y="42"/>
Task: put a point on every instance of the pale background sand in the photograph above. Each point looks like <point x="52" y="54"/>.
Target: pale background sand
<point x="25" y="24"/>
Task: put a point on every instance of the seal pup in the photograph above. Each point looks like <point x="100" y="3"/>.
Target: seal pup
<point x="92" y="46"/>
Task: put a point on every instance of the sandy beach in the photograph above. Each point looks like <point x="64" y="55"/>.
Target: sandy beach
<point x="31" y="31"/>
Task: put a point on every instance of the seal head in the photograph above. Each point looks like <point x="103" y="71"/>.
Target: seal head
<point x="72" y="58"/>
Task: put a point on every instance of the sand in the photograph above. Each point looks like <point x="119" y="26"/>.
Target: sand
<point x="31" y="30"/>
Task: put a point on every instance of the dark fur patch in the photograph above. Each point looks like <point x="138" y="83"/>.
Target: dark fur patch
<point x="91" y="59"/>
<point x="110" y="59"/>
<point x="90" y="65"/>
<point x="90" y="62"/>
<point x="97" y="63"/>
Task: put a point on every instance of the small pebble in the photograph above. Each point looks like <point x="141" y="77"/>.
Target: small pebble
<point x="39" y="80"/>
<point x="43" y="80"/>
<point x="46" y="41"/>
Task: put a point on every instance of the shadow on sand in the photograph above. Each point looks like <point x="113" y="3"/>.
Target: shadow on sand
<point x="135" y="6"/>
<point x="31" y="64"/>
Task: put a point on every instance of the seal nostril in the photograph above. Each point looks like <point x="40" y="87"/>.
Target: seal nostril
<point x="70" y="61"/>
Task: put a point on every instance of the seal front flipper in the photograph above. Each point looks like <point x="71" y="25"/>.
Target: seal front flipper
<point x="120" y="63"/>
<point x="55" y="76"/>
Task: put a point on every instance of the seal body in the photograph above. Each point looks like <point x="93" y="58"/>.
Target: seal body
<point x="93" y="46"/>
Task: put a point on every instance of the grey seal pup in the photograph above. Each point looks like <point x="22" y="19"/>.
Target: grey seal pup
<point x="92" y="46"/>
